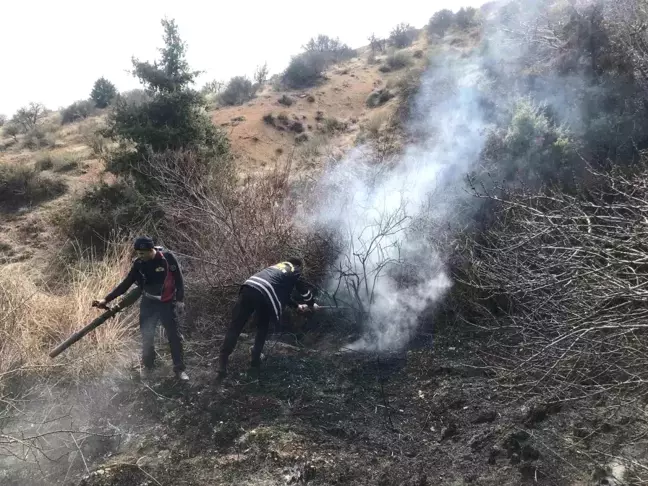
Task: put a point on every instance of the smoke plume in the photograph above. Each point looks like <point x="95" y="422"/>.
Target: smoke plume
<point x="391" y="217"/>
<point x="390" y="264"/>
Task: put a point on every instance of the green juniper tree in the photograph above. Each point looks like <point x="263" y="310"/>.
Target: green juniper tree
<point x="172" y="119"/>
<point x="103" y="92"/>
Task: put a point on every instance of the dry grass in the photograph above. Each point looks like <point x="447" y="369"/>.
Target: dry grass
<point x="377" y="121"/>
<point x="33" y="319"/>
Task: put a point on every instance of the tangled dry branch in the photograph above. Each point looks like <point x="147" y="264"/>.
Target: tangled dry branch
<point x="227" y="233"/>
<point x="562" y="283"/>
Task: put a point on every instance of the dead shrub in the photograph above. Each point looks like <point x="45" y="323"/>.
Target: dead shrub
<point x="332" y="125"/>
<point x="556" y="282"/>
<point x="297" y="127"/>
<point x="398" y="60"/>
<point x="379" y="97"/>
<point x="227" y="234"/>
<point x="22" y="186"/>
<point x="285" y="100"/>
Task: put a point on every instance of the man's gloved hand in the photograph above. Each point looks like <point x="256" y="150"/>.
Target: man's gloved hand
<point x="181" y="307"/>
<point x="101" y="303"/>
<point x="307" y="308"/>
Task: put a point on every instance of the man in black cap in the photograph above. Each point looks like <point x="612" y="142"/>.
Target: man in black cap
<point x="157" y="272"/>
<point x="265" y="294"/>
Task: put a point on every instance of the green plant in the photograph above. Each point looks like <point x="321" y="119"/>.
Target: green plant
<point x="3" y="120"/>
<point x="172" y="117"/>
<point x="261" y="75"/>
<point x="134" y="97"/>
<point x="103" y="93"/>
<point x="24" y="186"/>
<point x="306" y="69"/>
<point x="37" y="138"/>
<point x="12" y="130"/>
<point x="285" y="100"/>
<point x="78" y="110"/>
<point x="29" y="117"/>
<point x="91" y="134"/>
<point x="297" y="127"/>
<point x="398" y="60"/>
<point x="440" y="22"/>
<point x="379" y="97"/>
<point x="325" y="44"/>
<point x="58" y="162"/>
<point x="44" y="162"/>
<point x="239" y="90"/>
<point x="376" y="44"/>
<point x="408" y="85"/>
<point x="403" y="35"/>
<point x="104" y="211"/>
<point x="466" y="17"/>
<point x="334" y="125"/>
<point x="269" y="119"/>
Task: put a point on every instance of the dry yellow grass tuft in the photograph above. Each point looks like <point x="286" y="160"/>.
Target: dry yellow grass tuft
<point x="33" y="320"/>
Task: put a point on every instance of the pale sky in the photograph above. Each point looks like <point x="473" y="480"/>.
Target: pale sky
<point x="54" y="50"/>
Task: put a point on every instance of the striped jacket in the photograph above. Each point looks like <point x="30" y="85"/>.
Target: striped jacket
<point x="277" y="282"/>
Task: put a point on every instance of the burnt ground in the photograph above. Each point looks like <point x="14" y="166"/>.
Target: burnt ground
<point x="317" y="416"/>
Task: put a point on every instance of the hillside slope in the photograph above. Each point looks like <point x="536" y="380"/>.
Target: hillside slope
<point x="487" y="391"/>
<point x="320" y="124"/>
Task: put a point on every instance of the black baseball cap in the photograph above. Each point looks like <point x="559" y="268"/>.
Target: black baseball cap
<point x="144" y="243"/>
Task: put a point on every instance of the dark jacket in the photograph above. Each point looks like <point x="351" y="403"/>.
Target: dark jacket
<point x="160" y="278"/>
<point x="276" y="284"/>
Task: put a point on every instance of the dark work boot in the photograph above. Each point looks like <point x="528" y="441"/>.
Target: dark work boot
<point x="255" y="365"/>
<point x="254" y="373"/>
<point x="222" y="368"/>
<point x="256" y="357"/>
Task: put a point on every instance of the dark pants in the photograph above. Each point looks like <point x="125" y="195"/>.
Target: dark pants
<point x="150" y="312"/>
<point x="249" y="301"/>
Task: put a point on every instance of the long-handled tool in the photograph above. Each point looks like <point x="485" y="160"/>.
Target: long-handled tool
<point x="129" y="299"/>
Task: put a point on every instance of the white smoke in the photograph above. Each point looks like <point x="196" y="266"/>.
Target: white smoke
<point x="390" y="261"/>
<point x="392" y="216"/>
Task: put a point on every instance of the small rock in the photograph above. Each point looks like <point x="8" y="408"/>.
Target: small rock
<point x="513" y="443"/>
<point x="529" y="453"/>
<point x="528" y="472"/>
<point x="539" y="412"/>
<point x="580" y="430"/>
<point x="487" y="416"/>
<point x="449" y="431"/>
<point x="493" y="455"/>
<point x="478" y="440"/>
